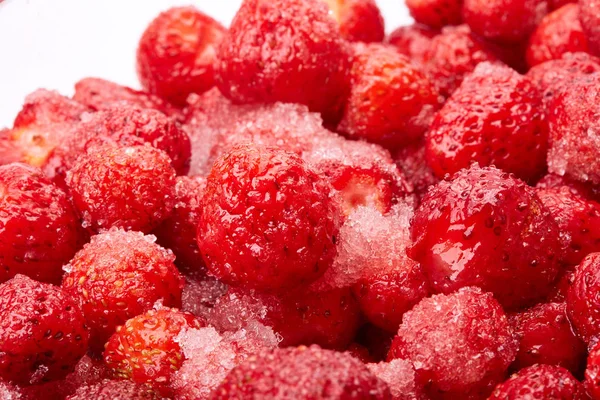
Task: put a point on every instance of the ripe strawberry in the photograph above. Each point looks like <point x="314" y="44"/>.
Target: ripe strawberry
<point x="45" y="121"/>
<point x="122" y="125"/>
<point x="494" y="118"/>
<point x="553" y="76"/>
<point x="436" y="13"/>
<point x="504" y="21"/>
<point x="391" y="102"/>
<point x="362" y="174"/>
<point x="176" y="53"/>
<point x="452" y="55"/>
<point x="578" y="220"/>
<point x="583" y="190"/>
<point x="358" y="20"/>
<point x="100" y="94"/>
<point x="284" y="50"/>
<point x="114" y="390"/>
<point x="460" y="344"/>
<point x="146" y="350"/>
<point x="540" y="382"/>
<point x="39" y="230"/>
<point x="42" y="331"/>
<point x="401" y="379"/>
<point x="301" y="373"/>
<point x="128" y="187"/>
<point x="267" y="220"/>
<point x="556" y="4"/>
<point x="546" y="337"/>
<point x="583" y="303"/>
<point x="559" y="32"/>
<point x="412" y="41"/>
<point x="590" y="20"/>
<point x="178" y="231"/>
<point x="119" y="275"/>
<point x="573" y="122"/>
<point x="486" y="228"/>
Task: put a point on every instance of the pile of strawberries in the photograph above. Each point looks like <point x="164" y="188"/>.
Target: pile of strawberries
<point x="299" y="207"/>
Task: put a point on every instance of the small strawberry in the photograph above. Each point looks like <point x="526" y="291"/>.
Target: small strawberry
<point x="359" y="20"/>
<point x="436" y="13"/>
<point x="146" y="350"/>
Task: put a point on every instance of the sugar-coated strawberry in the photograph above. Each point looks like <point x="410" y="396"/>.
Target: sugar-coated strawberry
<point x="329" y="318"/>
<point x="411" y="160"/>
<point x="129" y="187"/>
<point x="284" y="50"/>
<point x="267" y="220"/>
<point x="507" y="21"/>
<point x="553" y="76"/>
<point x="452" y="55"/>
<point x="122" y="125"/>
<point x="301" y="373"/>
<point x="100" y="94"/>
<point x="592" y="373"/>
<point x="42" y="331"/>
<point x="494" y="118"/>
<point x="581" y="189"/>
<point x="412" y="41"/>
<point x="384" y="298"/>
<point x="119" y="275"/>
<point x="114" y="390"/>
<point x="583" y="304"/>
<point x="558" y="33"/>
<point x="39" y="230"/>
<point x="540" y="382"/>
<point x="546" y="337"/>
<point x="400" y="376"/>
<point x="460" y="344"/>
<point x="486" y="228"/>
<point x="45" y="121"/>
<point x="573" y="121"/>
<point x="578" y="220"/>
<point x="146" y="350"/>
<point x="436" y="13"/>
<point x="361" y="174"/>
<point x="176" y="53"/>
<point x="590" y="20"/>
<point x="359" y="20"/>
<point x="391" y="101"/>
<point x="178" y="231"/>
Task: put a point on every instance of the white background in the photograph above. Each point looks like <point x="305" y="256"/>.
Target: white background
<point x="54" y="43"/>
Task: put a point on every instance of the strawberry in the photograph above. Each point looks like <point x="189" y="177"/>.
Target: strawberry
<point x="146" y="350"/>
<point x="358" y="20"/>
<point x="436" y="13"/>
<point x="583" y="304"/>
<point x="590" y="20"/>
<point x="112" y="389"/>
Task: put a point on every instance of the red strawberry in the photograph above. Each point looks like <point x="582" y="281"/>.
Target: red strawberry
<point x="559" y="32"/>
<point x="494" y="118"/>
<point x="176" y="54"/>
<point x="590" y="20"/>
<point x="42" y="331"/>
<point x="486" y="228"/>
<point x="583" y="303"/>
<point x="391" y="102"/>
<point x="460" y="344"/>
<point x="580" y="189"/>
<point x="504" y="21"/>
<point x="119" y="275"/>
<point x="540" y="382"/>
<point x="128" y="187"/>
<point x="100" y="94"/>
<point x="301" y="373"/>
<point x="436" y="13"/>
<point x="546" y="337"/>
<point x="284" y="50"/>
<point x="267" y="220"/>
<point x="359" y="20"/>
<point x="412" y="163"/>
<point x="146" y="350"/>
<point x="452" y="55"/>
<point x="39" y="230"/>
<point x="592" y="373"/>
<point x="412" y="41"/>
